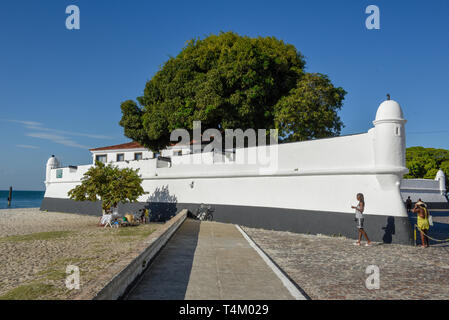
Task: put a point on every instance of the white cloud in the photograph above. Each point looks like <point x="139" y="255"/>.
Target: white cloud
<point x="26" y="146"/>
<point x="38" y="130"/>
<point x="56" y="139"/>
<point x="26" y="123"/>
<point x="69" y="133"/>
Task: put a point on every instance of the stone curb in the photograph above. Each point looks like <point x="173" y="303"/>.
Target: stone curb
<point x="118" y="285"/>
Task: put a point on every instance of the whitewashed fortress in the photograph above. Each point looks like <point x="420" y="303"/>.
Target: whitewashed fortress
<point x="432" y="192"/>
<point x="309" y="190"/>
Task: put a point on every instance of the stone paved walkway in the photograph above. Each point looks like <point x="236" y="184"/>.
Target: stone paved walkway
<point x="333" y="268"/>
<point x="209" y="260"/>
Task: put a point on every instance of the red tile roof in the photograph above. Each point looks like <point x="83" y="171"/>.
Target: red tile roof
<point x="129" y="145"/>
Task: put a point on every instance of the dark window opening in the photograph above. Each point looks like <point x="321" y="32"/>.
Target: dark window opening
<point x="138" y="156"/>
<point x="101" y="158"/>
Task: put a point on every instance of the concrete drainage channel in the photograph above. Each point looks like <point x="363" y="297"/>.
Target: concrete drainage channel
<point x="119" y="286"/>
<point x="136" y="282"/>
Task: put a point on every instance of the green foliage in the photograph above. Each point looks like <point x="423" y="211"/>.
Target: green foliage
<point x="423" y="163"/>
<point x="109" y="184"/>
<point x="32" y="291"/>
<point x="229" y="81"/>
<point x="309" y="111"/>
<point x="133" y="233"/>
<point x="50" y="235"/>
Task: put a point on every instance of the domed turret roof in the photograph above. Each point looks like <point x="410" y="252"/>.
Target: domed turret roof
<point x="53" y="162"/>
<point x="389" y="110"/>
<point x="440" y="174"/>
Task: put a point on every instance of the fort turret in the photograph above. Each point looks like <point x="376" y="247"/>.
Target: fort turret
<point x="52" y="163"/>
<point x="389" y="136"/>
<point x="441" y="177"/>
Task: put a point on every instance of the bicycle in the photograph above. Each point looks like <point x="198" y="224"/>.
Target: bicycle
<point x="204" y="213"/>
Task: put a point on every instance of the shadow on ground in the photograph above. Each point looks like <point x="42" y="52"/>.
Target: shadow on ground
<point x="168" y="276"/>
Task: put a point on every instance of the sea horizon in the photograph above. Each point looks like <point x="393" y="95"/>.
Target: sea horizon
<point x="21" y="199"/>
<point x="7" y="190"/>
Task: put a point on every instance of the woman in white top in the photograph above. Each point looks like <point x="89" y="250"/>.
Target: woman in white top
<point x="359" y="218"/>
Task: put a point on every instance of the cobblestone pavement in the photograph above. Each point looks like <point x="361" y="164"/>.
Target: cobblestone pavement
<point x="333" y="268"/>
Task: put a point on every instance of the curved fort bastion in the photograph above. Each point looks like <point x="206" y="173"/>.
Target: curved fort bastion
<point x="309" y="189"/>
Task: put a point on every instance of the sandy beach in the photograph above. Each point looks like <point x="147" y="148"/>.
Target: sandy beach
<point x="36" y="247"/>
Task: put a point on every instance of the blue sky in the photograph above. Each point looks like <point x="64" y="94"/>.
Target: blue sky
<point x="60" y="90"/>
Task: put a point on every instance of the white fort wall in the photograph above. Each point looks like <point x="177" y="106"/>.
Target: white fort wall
<point x="315" y="175"/>
<point x="426" y="190"/>
<point x="308" y="186"/>
<point x="432" y="192"/>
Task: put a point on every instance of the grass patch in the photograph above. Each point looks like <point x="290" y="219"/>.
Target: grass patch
<point x="93" y="260"/>
<point x="51" y="235"/>
<point x="53" y="274"/>
<point x="55" y="271"/>
<point x="32" y="291"/>
<point x="66" y="261"/>
<point x="137" y="232"/>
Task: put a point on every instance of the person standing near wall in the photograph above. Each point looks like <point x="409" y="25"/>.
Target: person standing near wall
<point x="408" y="204"/>
<point x="421" y="203"/>
<point x="423" y="222"/>
<point x="359" y="218"/>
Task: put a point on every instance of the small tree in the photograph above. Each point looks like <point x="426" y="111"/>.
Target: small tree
<point x="109" y="184"/>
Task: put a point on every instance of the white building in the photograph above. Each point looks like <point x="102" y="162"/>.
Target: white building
<point x="121" y="153"/>
<point x="432" y="192"/>
<point x="305" y="187"/>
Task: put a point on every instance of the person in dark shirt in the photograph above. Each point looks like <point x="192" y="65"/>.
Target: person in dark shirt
<point x="408" y="204"/>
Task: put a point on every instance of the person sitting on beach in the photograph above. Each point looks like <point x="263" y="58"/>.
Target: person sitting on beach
<point x="359" y="218"/>
<point x="423" y="222"/>
<point x="408" y="204"/>
<point x="129" y="217"/>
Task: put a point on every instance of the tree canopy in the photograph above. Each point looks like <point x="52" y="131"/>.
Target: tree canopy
<point x="424" y="163"/>
<point x="109" y="184"/>
<point x="229" y="81"/>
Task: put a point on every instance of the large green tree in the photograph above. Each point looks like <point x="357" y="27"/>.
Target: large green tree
<point x="229" y="81"/>
<point x="109" y="184"/>
<point x="424" y="163"/>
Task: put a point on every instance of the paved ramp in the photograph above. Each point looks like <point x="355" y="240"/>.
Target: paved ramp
<point x="209" y="260"/>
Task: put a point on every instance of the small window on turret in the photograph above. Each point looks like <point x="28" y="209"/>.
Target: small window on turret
<point x="398" y="131"/>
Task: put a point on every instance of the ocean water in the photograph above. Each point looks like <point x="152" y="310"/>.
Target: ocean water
<point x="21" y="199"/>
